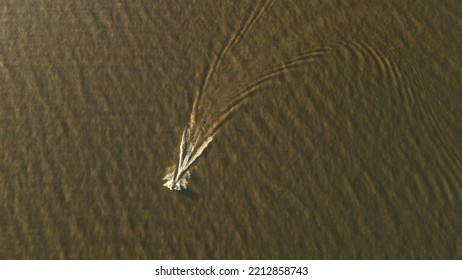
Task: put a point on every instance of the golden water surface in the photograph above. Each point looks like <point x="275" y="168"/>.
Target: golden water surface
<point x="351" y="151"/>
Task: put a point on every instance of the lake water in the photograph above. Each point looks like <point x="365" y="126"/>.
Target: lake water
<point x="350" y="152"/>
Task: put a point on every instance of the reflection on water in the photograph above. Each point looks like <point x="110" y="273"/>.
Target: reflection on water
<point x="347" y="149"/>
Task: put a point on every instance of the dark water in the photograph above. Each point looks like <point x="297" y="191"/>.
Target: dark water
<point x="352" y="153"/>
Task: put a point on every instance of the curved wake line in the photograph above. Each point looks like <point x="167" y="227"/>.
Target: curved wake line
<point x="232" y="41"/>
<point x="199" y="133"/>
<point x="259" y="82"/>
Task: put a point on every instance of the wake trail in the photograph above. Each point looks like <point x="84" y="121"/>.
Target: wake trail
<point x="191" y="148"/>
<point x="247" y="26"/>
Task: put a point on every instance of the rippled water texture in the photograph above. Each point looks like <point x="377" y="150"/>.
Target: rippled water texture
<point x="347" y="147"/>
